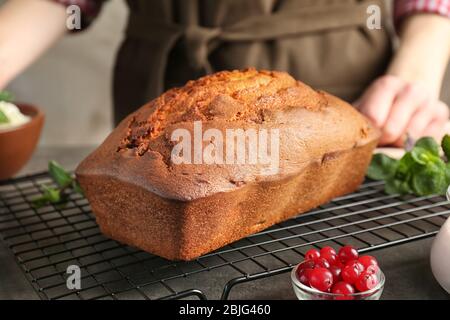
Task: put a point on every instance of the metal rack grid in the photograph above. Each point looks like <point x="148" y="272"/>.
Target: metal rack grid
<point x="47" y="240"/>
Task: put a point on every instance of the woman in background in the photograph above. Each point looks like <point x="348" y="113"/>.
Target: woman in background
<point x="325" y="43"/>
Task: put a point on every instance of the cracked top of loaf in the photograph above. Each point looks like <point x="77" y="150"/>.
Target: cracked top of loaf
<point x="311" y="124"/>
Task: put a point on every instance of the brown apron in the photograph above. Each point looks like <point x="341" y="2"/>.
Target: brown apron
<point x="324" y="43"/>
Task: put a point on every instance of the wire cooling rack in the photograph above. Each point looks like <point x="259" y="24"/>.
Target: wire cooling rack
<point x="47" y="240"/>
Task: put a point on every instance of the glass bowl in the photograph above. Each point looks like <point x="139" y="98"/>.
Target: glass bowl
<point x="307" y="293"/>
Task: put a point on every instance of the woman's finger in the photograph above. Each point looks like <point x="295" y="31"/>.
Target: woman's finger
<point x="435" y="129"/>
<point x="377" y="100"/>
<point x="431" y="120"/>
<point x="442" y="111"/>
<point x="420" y="120"/>
<point x="407" y="102"/>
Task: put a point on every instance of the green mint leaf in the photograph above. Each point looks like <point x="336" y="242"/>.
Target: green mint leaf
<point x="442" y="167"/>
<point x="3" y="117"/>
<point x="446" y="146"/>
<point x="49" y="195"/>
<point x="57" y="196"/>
<point x="382" y="167"/>
<point x="40" y="201"/>
<point x="420" y="171"/>
<point x="428" y="144"/>
<point x="62" y="178"/>
<point x="428" y="180"/>
<point x="447" y="173"/>
<point x="53" y="195"/>
<point x="6" y="96"/>
<point x="77" y="188"/>
<point x="422" y="156"/>
<point x="405" y="165"/>
<point x="394" y="186"/>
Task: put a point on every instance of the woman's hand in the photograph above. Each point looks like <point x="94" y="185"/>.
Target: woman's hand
<point x="406" y="100"/>
<point x="399" y="107"/>
<point x="27" y="29"/>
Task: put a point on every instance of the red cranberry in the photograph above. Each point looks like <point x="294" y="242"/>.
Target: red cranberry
<point x="336" y="271"/>
<point x="331" y="258"/>
<point x="312" y="254"/>
<point x="321" y="279"/>
<point x="367" y="261"/>
<point x="303" y="269"/>
<point x="347" y="253"/>
<point x="358" y="265"/>
<point x="321" y="263"/>
<point x="303" y="276"/>
<point x="351" y="272"/>
<point x="343" y="288"/>
<point x="366" y="281"/>
<point x="308" y="264"/>
<point x="372" y="269"/>
<point x="327" y="251"/>
<point x="339" y="264"/>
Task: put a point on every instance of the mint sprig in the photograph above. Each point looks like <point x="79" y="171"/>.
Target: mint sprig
<point x="420" y="171"/>
<point x="64" y="182"/>
<point x="446" y="146"/>
<point x="62" y="178"/>
<point x="6" y="96"/>
<point x="3" y="117"/>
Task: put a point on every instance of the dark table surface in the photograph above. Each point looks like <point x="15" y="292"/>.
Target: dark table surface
<point x="406" y="266"/>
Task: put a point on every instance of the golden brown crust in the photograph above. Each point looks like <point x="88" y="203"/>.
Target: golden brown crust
<point x="231" y="96"/>
<point x="311" y="124"/>
<point x="182" y="211"/>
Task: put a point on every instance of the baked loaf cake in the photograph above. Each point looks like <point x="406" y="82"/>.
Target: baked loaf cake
<point x="180" y="211"/>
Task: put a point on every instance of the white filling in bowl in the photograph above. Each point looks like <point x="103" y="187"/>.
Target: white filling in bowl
<point x="13" y="114"/>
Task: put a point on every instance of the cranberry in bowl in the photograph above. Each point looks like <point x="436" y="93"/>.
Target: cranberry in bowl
<point x="343" y="275"/>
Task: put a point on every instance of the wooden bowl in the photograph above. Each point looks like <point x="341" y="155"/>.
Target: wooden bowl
<point x="17" y="144"/>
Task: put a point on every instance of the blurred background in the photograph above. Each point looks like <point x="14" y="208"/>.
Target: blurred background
<point x="72" y="82"/>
